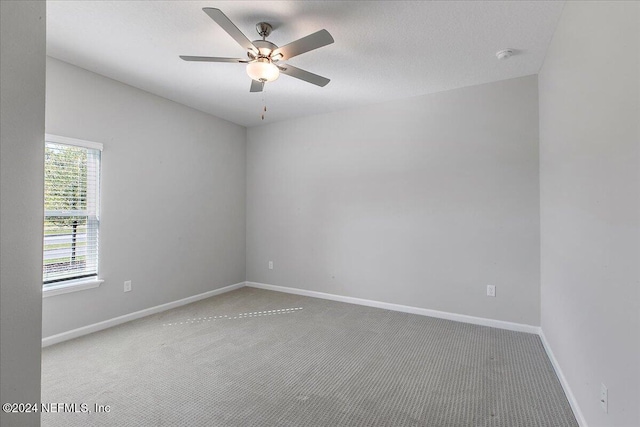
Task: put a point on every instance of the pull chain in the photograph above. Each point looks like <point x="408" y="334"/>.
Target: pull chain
<point x="264" y="102"/>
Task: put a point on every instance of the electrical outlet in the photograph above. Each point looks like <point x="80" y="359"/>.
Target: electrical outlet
<point x="127" y="286"/>
<point x="604" y="398"/>
<point x="491" y="290"/>
<point x="270" y="265"/>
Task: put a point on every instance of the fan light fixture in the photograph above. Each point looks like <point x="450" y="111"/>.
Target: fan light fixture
<point x="263" y="70"/>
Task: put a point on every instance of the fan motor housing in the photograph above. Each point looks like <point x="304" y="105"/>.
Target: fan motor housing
<point x="264" y="47"/>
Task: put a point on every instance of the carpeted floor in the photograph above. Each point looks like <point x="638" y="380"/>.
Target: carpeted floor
<point x="259" y="358"/>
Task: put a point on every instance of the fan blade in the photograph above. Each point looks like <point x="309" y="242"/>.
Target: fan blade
<point x="226" y="24"/>
<point x="256" y="86"/>
<point x="303" y="45"/>
<point x="303" y="75"/>
<point x="213" y="59"/>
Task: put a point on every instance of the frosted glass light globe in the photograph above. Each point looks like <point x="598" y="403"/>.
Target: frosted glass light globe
<point x="263" y="70"/>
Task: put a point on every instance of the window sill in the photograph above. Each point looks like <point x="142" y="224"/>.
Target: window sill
<point x="71" y="286"/>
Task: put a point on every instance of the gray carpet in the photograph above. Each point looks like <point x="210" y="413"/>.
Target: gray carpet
<point x="260" y="358"/>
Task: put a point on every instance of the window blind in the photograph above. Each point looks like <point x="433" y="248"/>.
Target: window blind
<point x="71" y="217"/>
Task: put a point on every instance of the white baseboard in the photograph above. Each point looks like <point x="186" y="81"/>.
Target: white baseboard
<point x="563" y="381"/>
<point x="74" y="333"/>
<point x="511" y="326"/>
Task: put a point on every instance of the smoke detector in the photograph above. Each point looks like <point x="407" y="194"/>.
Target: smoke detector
<point x="504" y="54"/>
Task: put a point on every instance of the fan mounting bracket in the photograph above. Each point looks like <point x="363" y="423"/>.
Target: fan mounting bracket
<point x="264" y="29"/>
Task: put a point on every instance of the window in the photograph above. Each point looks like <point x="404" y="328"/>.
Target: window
<point x="72" y="212"/>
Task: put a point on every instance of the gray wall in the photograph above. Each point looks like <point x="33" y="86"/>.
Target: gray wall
<point x="173" y="196"/>
<point x="22" y="78"/>
<point x="421" y="202"/>
<point x="590" y="197"/>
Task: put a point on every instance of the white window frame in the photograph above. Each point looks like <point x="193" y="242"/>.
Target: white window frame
<point x="72" y="285"/>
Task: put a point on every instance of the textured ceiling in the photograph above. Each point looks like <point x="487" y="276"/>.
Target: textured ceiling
<point x="383" y="50"/>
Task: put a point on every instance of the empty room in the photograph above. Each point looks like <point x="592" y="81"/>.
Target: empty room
<point x="320" y="213"/>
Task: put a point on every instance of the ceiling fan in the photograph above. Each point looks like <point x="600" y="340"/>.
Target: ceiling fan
<point x="263" y="62"/>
